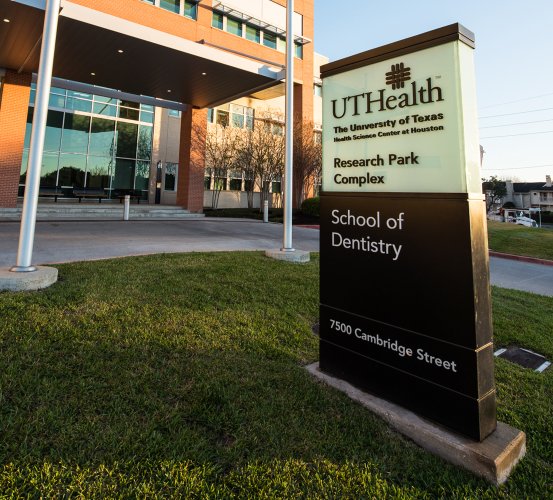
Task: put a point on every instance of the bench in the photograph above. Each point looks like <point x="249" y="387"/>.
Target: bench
<point x="134" y="194"/>
<point x="89" y="193"/>
<point x="54" y="191"/>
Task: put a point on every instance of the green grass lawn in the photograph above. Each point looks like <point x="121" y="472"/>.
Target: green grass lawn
<point x="520" y="240"/>
<point x="182" y="376"/>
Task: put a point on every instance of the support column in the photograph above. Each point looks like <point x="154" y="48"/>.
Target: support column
<point x="14" y="104"/>
<point x="190" y="190"/>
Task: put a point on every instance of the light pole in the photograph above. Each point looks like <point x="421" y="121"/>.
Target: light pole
<point x="289" y="118"/>
<point x="38" y="131"/>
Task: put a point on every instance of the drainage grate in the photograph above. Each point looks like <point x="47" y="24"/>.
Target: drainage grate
<point x="524" y="357"/>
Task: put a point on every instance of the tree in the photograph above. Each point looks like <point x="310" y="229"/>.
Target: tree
<point x="495" y="190"/>
<point x="260" y="157"/>
<point x="221" y="145"/>
<point x="308" y="160"/>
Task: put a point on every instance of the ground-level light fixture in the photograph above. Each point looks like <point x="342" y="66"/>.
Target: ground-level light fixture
<point x="120" y="51"/>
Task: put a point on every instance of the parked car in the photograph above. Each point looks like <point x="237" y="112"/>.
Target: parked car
<point x="526" y="221"/>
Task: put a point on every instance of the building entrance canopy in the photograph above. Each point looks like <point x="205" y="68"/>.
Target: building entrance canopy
<point x="100" y="49"/>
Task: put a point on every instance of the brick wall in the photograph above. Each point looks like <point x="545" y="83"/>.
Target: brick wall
<point x="13" y="119"/>
<point x="190" y="190"/>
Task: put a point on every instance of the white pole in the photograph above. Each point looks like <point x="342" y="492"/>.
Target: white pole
<point x="38" y="131"/>
<point x="266" y="211"/>
<point x="127" y="207"/>
<point x="289" y="105"/>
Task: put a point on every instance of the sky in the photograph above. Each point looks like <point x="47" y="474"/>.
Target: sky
<point x="513" y="63"/>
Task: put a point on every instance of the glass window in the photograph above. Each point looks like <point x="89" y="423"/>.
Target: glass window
<point x="146" y="117"/>
<point x="123" y="176"/>
<point x="222" y="118"/>
<point x="129" y="113"/>
<point x="28" y="128"/>
<point x="49" y="170"/>
<point x="75" y="133"/>
<point x="191" y="9"/>
<point x="79" y="95"/>
<point x="234" y="26"/>
<point x="276" y="187"/>
<point x="56" y="101"/>
<point x="54" y="124"/>
<point x="269" y="40"/>
<point x="102" y="137"/>
<point x="281" y="44"/>
<point x="170" y="5"/>
<point x="235" y="185"/>
<point x="298" y="50"/>
<point x="220" y="184"/>
<point x="101" y="108"/>
<point x="278" y="129"/>
<point x="217" y="20"/>
<point x="210" y="115"/>
<point x="106" y="100"/>
<point x="170" y="183"/>
<point x="175" y="113"/>
<point x="237" y="120"/>
<point x="79" y="104"/>
<point x="131" y="104"/>
<point x="253" y="34"/>
<point x="72" y="170"/>
<point x="317" y="90"/>
<point x="207" y="183"/>
<point x="142" y="175"/>
<point x="144" y="149"/>
<point x="99" y="170"/>
<point x="127" y="139"/>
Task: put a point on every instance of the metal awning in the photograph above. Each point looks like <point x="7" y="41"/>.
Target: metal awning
<point x="99" y="49"/>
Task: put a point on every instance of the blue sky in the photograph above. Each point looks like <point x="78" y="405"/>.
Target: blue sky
<point x="513" y="59"/>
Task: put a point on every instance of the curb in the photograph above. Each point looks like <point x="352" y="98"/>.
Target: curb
<point x="532" y="260"/>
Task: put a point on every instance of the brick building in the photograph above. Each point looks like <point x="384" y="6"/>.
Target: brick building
<point x="134" y="78"/>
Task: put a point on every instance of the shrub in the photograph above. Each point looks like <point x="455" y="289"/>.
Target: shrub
<point x="311" y="207"/>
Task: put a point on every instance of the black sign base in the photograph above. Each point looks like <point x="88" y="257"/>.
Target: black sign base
<point x="405" y="305"/>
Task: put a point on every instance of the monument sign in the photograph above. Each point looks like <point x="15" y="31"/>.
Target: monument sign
<point x="405" y="301"/>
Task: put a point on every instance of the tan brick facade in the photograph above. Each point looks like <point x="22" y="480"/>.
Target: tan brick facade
<point x="13" y="119"/>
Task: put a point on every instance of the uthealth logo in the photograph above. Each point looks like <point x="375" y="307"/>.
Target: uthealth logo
<point x="398" y="75"/>
<point x="370" y="101"/>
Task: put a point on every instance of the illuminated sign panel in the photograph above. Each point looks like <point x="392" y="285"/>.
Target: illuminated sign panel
<point x="398" y="125"/>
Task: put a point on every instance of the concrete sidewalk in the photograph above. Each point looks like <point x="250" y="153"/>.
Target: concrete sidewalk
<point x="70" y="241"/>
<point x="58" y="241"/>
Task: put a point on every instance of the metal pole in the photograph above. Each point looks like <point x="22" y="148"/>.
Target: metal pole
<point x="38" y="131"/>
<point x="266" y="211"/>
<point x="289" y="105"/>
<point x="127" y="207"/>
